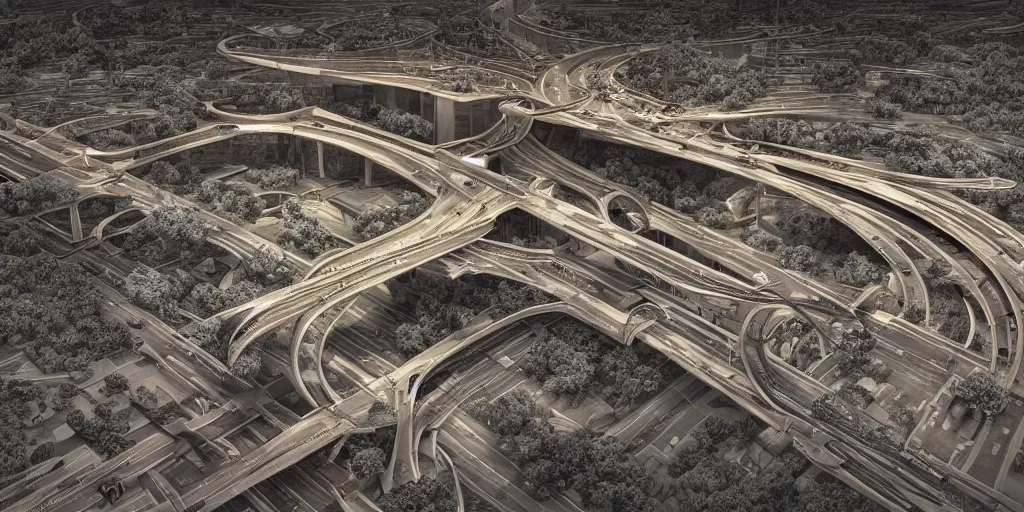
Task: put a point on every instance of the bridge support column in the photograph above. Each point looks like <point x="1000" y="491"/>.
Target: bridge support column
<point x="367" y="172"/>
<point x="444" y="120"/>
<point x="389" y="98"/>
<point x="320" y="158"/>
<point x="76" y="224"/>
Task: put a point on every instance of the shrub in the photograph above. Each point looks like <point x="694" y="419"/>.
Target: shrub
<point x="836" y="76"/>
<point x="981" y="392"/>
<point x="886" y="110"/>
<point x="275" y="177"/>
<point x="114" y="383"/>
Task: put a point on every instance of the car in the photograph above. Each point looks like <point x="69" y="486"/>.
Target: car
<point x="135" y="323"/>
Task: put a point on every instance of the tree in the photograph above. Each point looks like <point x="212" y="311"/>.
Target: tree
<point x="158" y="292"/>
<point x="181" y="178"/>
<point x="264" y="266"/>
<point x="303" y="233"/>
<point x="507" y="414"/>
<point x="114" y="383"/>
<point x="275" y="177"/>
<point x="713" y="218"/>
<point x="427" y="495"/>
<point x="886" y="109"/>
<point x="41" y="453"/>
<point x="836" y="76"/>
<point x="686" y="459"/>
<point x="369" y="462"/>
<point x="248" y="365"/>
<point x="801" y="258"/>
<point x="168" y="230"/>
<point x="858" y="270"/>
<point x="374" y="222"/>
<point x="145" y="398"/>
<point x="381" y="412"/>
<point x="748" y="429"/>
<point x="62" y="398"/>
<point x="230" y="200"/>
<point x="914" y="313"/>
<point x="980" y="391"/>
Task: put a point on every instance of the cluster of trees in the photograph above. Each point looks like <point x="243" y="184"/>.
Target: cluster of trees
<point x="302" y="232"/>
<point x="27" y="41"/>
<point x="808" y="348"/>
<point x="572" y="359"/>
<point x="945" y="300"/>
<point x="20" y="399"/>
<point x="35" y="194"/>
<point x="461" y="80"/>
<point x="157" y="291"/>
<point x="981" y="392"/>
<point x="391" y="120"/>
<point x="212" y="336"/>
<point x="53" y="313"/>
<point x="814" y="243"/>
<point x="467" y="34"/>
<point x="265" y="266"/>
<point x="984" y="95"/>
<point x="853" y="268"/>
<point x="169" y="293"/>
<point x="181" y="178"/>
<point x="707" y="436"/>
<point x="170" y="95"/>
<point x="598" y="468"/>
<point x="707" y="482"/>
<point x="370" y="33"/>
<point x="881" y="49"/>
<point x="233" y="201"/>
<point x="376" y="221"/>
<point x="427" y="494"/>
<point x="114" y="384"/>
<point x="105" y="431"/>
<point x="260" y="98"/>
<point x="167" y="232"/>
<point x="853" y="355"/>
<point x="659" y="21"/>
<point x="913" y="152"/>
<point x="159" y="21"/>
<point x="367" y="455"/>
<point x="443" y="306"/>
<point x="842" y="138"/>
<point x="685" y="186"/>
<point x="836" y="76"/>
<point x="108" y="139"/>
<point x="275" y="177"/>
<point x="206" y="299"/>
<point x="684" y="74"/>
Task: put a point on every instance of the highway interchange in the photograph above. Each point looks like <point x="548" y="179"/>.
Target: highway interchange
<point x="876" y="204"/>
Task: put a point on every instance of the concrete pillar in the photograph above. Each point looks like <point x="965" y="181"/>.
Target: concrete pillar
<point x="444" y="120"/>
<point x="320" y="158"/>
<point x="367" y="172"/>
<point x="76" y="224"/>
<point x="423" y="104"/>
<point x="389" y="97"/>
<point x="302" y="156"/>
